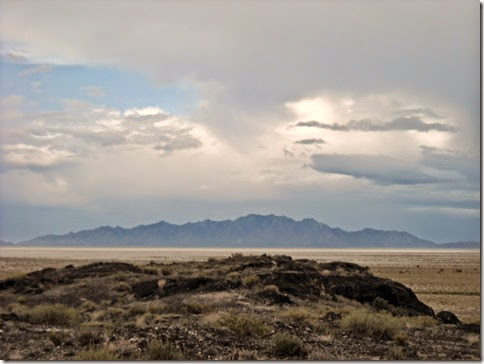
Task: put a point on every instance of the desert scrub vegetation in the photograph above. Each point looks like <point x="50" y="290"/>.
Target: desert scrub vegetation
<point x="420" y="322"/>
<point x="89" y="337"/>
<point x="159" y="350"/>
<point x="400" y="338"/>
<point x="286" y="345"/>
<point x="58" y="337"/>
<point x="96" y="354"/>
<point x="243" y="325"/>
<point x="55" y="314"/>
<point x="88" y="306"/>
<point x="250" y="280"/>
<point x="375" y="324"/>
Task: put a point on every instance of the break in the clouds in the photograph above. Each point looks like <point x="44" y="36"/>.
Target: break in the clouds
<point x="180" y="111"/>
<point x="403" y="123"/>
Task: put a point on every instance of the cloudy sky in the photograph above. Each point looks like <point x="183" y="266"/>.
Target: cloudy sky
<point x="359" y="113"/>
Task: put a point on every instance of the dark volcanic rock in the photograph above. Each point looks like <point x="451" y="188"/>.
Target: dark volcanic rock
<point x="273" y="297"/>
<point x="36" y="282"/>
<point x="365" y="288"/>
<point x="145" y="289"/>
<point x="447" y="317"/>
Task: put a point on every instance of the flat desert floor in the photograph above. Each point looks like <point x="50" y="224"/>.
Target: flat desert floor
<point x="443" y="279"/>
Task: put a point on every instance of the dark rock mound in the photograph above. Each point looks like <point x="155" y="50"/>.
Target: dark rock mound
<point x="145" y="289"/>
<point x="273" y="297"/>
<point x="303" y="284"/>
<point x="471" y="328"/>
<point x="365" y="288"/>
<point x="447" y="317"/>
<point x="345" y="266"/>
<point x="36" y="282"/>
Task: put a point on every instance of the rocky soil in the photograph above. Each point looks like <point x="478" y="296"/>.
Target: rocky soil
<point x="241" y="307"/>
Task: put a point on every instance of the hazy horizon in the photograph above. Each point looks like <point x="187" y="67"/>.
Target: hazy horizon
<point x="355" y="113"/>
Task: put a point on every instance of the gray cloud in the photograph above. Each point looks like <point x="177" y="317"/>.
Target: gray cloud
<point x="425" y="111"/>
<point x="379" y="169"/>
<point x="451" y="160"/>
<point x="403" y="123"/>
<point x="310" y="141"/>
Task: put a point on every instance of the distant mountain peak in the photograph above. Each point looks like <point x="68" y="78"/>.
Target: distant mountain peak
<point x="252" y="230"/>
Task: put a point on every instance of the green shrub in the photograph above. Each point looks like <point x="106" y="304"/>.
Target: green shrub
<point x="159" y="350"/>
<point x="96" y="354"/>
<point x="377" y="325"/>
<point x="285" y="345"/>
<point x="244" y="325"/>
<point x="56" y="314"/>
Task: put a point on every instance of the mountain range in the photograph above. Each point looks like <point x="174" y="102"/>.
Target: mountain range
<point x="247" y="231"/>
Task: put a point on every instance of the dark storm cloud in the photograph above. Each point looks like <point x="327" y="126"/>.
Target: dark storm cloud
<point x="449" y="160"/>
<point x="310" y="141"/>
<point x="402" y="124"/>
<point x="379" y="169"/>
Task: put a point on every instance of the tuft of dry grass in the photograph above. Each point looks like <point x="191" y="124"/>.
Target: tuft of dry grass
<point x="375" y="324"/>
<point x="55" y="314"/>
<point x="58" y="337"/>
<point x="96" y="354"/>
<point x="244" y="325"/>
<point x="285" y="345"/>
<point x="250" y="280"/>
<point x="159" y="350"/>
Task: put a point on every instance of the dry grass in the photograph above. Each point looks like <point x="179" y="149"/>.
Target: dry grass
<point x="243" y="325"/>
<point x="375" y="324"/>
<point x="96" y="354"/>
<point x="158" y="350"/>
<point x="285" y="345"/>
<point x="53" y="315"/>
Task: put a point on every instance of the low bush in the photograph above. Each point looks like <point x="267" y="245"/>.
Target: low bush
<point x="396" y="353"/>
<point x="244" y="325"/>
<point x="56" y="314"/>
<point x="377" y="325"/>
<point x="58" y="337"/>
<point x="159" y="350"/>
<point x="285" y="345"/>
<point x="96" y="354"/>
<point x="400" y="338"/>
<point x="89" y="337"/>
<point x="250" y="281"/>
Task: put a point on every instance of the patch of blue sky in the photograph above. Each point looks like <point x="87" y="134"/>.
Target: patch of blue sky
<point x="109" y="87"/>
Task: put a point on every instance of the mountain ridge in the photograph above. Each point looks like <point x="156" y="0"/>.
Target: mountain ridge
<point x="252" y="230"/>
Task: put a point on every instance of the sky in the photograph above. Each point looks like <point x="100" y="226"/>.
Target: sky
<point x="355" y="113"/>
